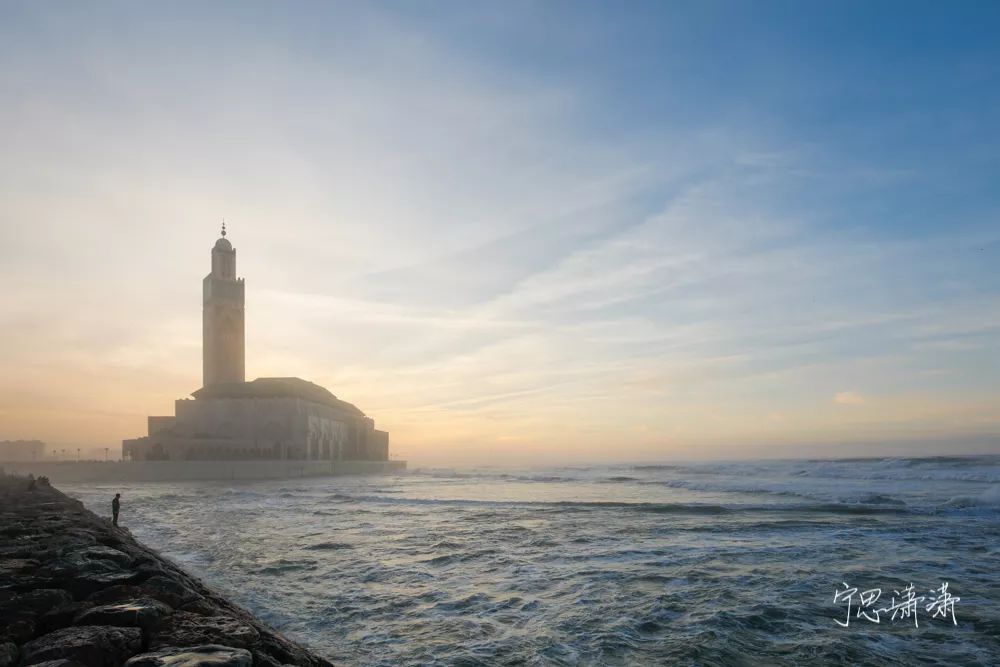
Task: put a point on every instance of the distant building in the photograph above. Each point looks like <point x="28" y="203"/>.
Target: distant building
<point x="268" y="418"/>
<point x="223" y="339"/>
<point x="16" y="451"/>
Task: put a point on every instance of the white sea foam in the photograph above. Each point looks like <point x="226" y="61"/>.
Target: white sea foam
<point x="988" y="498"/>
<point x="716" y="563"/>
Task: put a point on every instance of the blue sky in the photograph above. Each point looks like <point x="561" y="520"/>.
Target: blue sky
<point x="514" y="230"/>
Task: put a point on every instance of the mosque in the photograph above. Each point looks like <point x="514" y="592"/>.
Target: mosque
<point x="267" y="418"/>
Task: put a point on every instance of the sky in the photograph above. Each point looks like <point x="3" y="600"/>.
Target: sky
<point x="514" y="231"/>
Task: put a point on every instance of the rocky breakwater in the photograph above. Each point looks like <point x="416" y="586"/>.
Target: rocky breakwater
<point x="76" y="591"/>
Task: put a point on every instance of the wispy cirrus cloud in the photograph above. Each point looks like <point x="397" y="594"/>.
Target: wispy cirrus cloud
<point x="848" y="398"/>
<point x="480" y="247"/>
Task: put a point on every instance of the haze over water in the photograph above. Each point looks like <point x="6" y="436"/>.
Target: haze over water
<point x="711" y="563"/>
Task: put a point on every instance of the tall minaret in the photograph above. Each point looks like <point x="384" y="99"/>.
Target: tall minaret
<point x="222" y="318"/>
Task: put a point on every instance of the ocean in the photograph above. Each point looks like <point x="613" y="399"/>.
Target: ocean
<point x="742" y="563"/>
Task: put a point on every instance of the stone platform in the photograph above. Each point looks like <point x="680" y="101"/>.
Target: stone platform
<point x="76" y="591"/>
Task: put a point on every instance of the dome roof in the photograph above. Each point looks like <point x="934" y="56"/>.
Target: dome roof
<point x="223" y="244"/>
<point x="288" y="387"/>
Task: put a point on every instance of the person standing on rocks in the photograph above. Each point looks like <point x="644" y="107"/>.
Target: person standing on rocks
<point x="116" y="505"/>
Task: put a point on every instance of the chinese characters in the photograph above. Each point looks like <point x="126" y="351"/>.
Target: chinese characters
<point x="904" y="604"/>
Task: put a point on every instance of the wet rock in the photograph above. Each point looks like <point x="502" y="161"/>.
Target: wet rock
<point x="47" y="547"/>
<point x="100" y="552"/>
<point x="83" y="576"/>
<point x="141" y="613"/>
<point x="117" y="540"/>
<point x="150" y="569"/>
<point x="261" y="659"/>
<point x="72" y="539"/>
<point x="8" y="654"/>
<point x="116" y="594"/>
<point x="75" y="592"/>
<point x="203" y="607"/>
<point x="286" y="652"/>
<point x="78" y="560"/>
<point x="81" y="535"/>
<point x="186" y="629"/>
<point x="208" y="655"/>
<point x="90" y="645"/>
<point x="169" y="590"/>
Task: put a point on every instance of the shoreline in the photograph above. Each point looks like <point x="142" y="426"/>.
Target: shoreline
<point x="76" y="591"/>
<point x="208" y="470"/>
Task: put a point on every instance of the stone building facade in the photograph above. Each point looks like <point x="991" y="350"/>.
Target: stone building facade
<point x="223" y="333"/>
<point x="268" y="418"/>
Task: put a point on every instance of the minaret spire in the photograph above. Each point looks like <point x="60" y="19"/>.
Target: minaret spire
<point x="222" y="317"/>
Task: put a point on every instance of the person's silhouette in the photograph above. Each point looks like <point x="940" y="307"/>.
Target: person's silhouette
<point x="115" y="506"/>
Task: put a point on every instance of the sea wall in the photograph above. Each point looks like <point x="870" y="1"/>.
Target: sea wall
<point x="162" y="471"/>
<point x="76" y="591"/>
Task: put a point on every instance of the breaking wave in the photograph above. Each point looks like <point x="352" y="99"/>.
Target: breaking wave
<point x="688" y="563"/>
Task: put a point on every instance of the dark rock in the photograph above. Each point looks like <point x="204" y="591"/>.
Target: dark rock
<point x="186" y="629"/>
<point x="208" y="655"/>
<point x="83" y="535"/>
<point x="23" y="583"/>
<point x="171" y="591"/>
<point x="17" y="565"/>
<point x="19" y="613"/>
<point x="60" y="563"/>
<point x="116" y="594"/>
<point x="17" y="572"/>
<point x="71" y="539"/>
<point x="88" y="583"/>
<point x="84" y="576"/>
<point x="100" y="552"/>
<point x="78" y="561"/>
<point x="38" y="601"/>
<point x="18" y="630"/>
<point x="91" y="645"/>
<point x="61" y="617"/>
<point x="8" y="654"/>
<point x="142" y="613"/>
<point x="15" y="530"/>
<point x="261" y="659"/>
<point x="288" y="653"/>
<point x="203" y="607"/>
<point x="13" y="550"/>
<point x="47" y="547"/>
<point x="150" y="569"/>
